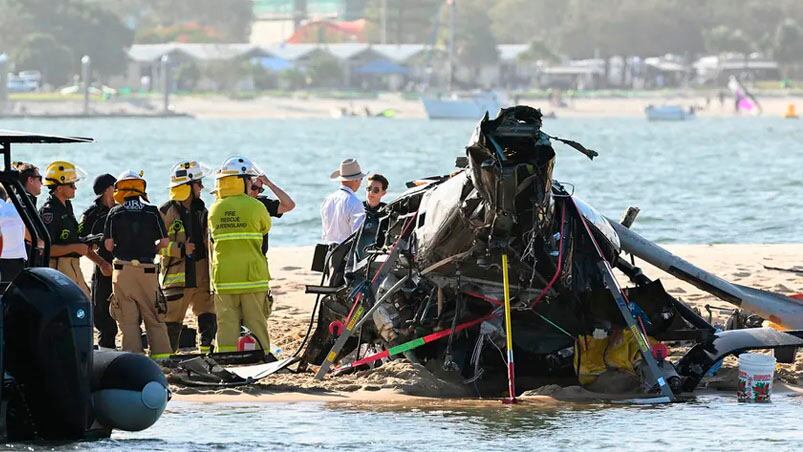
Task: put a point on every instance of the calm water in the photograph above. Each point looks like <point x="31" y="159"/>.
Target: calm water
<point x="709" y="423"/>
<point x="704" y="181"/>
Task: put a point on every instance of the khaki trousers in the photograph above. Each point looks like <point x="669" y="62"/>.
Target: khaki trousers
<point x="252" y="309"/>
<point x="199" y="298"/>
<point x="135" y="290"/>
<point x="71" y="266"/>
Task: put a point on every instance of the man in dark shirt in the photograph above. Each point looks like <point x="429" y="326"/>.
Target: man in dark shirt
<point x="134" y="233"/>
<point x="92" y="223"/>
<point x="276" y="207"/>
<point x="57" y="213"/>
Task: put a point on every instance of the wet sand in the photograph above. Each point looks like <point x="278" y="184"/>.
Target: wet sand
<point x="399" y="380"/>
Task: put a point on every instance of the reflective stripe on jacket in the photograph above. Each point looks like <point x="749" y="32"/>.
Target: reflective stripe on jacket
<point x="236" y="227"/>
<point x="173" y="267"/>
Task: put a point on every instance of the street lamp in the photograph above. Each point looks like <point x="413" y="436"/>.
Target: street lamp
<point x="86" y="64"/>
<point x="165" y="68"/>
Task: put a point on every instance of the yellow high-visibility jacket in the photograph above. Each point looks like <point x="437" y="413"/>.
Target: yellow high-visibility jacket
<point x="237" y="224"/>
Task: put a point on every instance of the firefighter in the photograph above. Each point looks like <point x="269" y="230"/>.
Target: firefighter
<point x="185" y="268"/>
<point x="92" y="223"/>
<point x="134" y="234"/>
<point x="57" y="214"/>
<point x="240" y="278"/>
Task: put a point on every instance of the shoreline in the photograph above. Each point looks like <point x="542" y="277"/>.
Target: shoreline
<point x="304" y="106"/>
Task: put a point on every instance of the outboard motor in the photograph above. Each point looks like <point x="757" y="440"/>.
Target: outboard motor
<point x="60" y="388"/>
<point x="48" y="353"/>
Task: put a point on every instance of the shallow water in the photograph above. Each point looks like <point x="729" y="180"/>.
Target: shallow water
<point x="732" y="180"/>
<point x="712" y="422"/>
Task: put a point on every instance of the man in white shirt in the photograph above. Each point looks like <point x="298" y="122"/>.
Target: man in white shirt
<point x="342" y="212"/>
<point x="12" y="232"/>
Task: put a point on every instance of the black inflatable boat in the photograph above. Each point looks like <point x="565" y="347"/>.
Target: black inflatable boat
<point x="55" y="385"/>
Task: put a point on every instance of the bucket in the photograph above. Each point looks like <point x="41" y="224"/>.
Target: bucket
<point x="756" y="372"/>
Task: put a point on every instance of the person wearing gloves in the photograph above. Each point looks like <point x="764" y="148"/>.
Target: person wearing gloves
<point x="185" y="267"/>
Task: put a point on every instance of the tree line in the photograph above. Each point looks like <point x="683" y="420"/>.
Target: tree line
<point x="52" y="36"/>
<point x="585" y="28"/>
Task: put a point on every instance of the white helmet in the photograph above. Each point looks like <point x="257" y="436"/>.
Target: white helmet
<point x="187" y="172"/>
<point x="130" y="175"/>
<point x="238" y="166"/>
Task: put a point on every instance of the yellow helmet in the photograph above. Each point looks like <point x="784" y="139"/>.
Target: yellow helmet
<point x="129" y="183"/>
<point x="63" y="173"/>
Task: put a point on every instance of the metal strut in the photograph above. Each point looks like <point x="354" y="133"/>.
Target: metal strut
<point x="654" y="373"/>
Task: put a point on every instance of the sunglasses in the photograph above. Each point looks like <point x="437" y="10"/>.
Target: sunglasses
<point x="374" y="190"/>
<point x="70" y="185"/>
<point x="257" y="188"/>
<point x="37" y="177"/>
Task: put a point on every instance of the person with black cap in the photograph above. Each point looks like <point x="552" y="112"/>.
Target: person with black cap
<point x="92" y="223"/>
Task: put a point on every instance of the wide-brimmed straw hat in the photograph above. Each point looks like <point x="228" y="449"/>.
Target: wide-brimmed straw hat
<point x="349" y="170"/>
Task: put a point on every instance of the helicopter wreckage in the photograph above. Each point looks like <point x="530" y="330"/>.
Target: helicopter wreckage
<point x="465" y="271"/>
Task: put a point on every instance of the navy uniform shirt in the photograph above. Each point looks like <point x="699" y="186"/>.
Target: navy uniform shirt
<point x="135" y="226"/>
<point x="60" y="222"/>
<point x="272" y="205"/>
<point x="92" y="222"/>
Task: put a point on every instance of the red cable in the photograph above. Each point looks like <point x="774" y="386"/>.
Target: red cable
<point x="560" y="260"/>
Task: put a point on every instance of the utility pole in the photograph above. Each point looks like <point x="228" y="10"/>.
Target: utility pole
<point x="383" y="18"/>
<point x="165" y="69"/>
<point x="3" y="82"/>
<point x="86" y="65"/>
<point x="299" y="13"/>
<point x="450" y="4"/>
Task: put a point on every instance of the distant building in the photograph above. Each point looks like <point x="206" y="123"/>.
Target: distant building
<point x="577" y="74"/>
<point x="717" y="69"/>
<point x="665" y="71"/>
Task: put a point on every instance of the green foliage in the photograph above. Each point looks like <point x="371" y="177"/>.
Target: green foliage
<point x="226" y="74"/>
<point x="187" y="75"/>
<point x="291" y="79"/>
<point x="583" y="28"/>
<point x="538" y="50"/>
<point x="475" y="44"/>
<point x="520" y="21"/>
<point x="788" y="42"/>
<point x="722" y="39"/>
<point x="42" y="52"/>
<point x="185" y="32"/>
<point x="407" y="21"/>
<point x="192" y="20"/>
<point x="263" y="78"/>
<point x="82" y="27"/>
<point x="324" y="70"/>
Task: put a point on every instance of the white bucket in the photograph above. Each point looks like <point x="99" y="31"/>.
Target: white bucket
<point x="756" y="372"/>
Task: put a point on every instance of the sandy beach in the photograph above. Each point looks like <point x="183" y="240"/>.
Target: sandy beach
<point x="399" y="381"/>
<point x="302" y="105"/>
